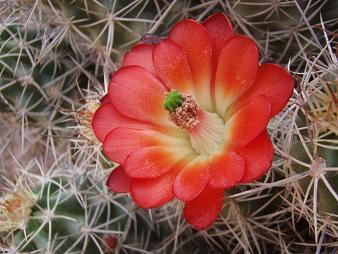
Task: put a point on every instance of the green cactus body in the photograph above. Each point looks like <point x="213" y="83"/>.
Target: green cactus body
<point x="55" y="56"/>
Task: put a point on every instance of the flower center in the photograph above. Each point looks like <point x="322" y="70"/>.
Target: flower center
<point x="183" y="109"/>
<point x="205" y="129"/>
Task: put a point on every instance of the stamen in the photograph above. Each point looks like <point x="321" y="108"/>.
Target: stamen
<point x="186" y="115"/>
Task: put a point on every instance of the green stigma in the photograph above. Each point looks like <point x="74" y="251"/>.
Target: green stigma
<point x="172" y="101"/>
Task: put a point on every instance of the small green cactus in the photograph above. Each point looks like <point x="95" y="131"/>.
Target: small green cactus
<point x="59" y="220"/>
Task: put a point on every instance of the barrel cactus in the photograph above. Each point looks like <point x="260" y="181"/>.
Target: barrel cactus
<point x="56" y="61"/>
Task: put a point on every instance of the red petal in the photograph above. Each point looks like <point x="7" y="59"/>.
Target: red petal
<point x="172" y="65"/>
<point x="249" y="122"/>
<point x="120" y="142"/>
<point x="150" y="162"/>
<point x="136" y="93"/>
<point x="258" y="156"/>
<point x="203" y="210"/>
<point x="272" y="81"/>
<point x="226" y="169"/>
<point x="149" y="193"/>
<point x="193" y="38"/>
<point x="141" y="55"/>
<point x="118" y="181"/>
<point x="104" y="99"/>
<point x="106" y="118"/>
<point x="219" y="30"/>
<point x="236" y="72"/>
<point x="192" y="179"/>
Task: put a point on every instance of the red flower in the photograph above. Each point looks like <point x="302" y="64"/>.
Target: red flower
<point x="187" y="117"/>
<point x="111" y="242"/>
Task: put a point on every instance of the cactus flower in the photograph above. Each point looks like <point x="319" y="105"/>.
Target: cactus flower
<point x="186" y="117"/>
<point x="15" y="209"/>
